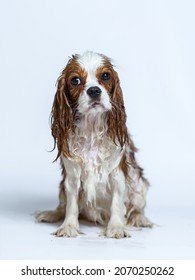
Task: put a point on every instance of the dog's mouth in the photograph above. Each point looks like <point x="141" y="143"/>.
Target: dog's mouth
<point x="96" y="107"/>
<point x="96" y="103"/>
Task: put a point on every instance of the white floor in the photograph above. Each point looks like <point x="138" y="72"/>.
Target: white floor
<point x="22" y="238"/>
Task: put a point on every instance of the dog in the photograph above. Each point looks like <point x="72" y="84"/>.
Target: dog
<point x="101" y="179"/>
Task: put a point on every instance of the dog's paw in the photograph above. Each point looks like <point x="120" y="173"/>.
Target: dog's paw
<point x="139" y="220"/>
<point x="67" y="231"/>
<point x="116" y="232"/>
<point x="48" y="216"/>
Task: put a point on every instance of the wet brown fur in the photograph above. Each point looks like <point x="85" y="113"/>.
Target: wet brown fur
<point x="64" y="112"/>
<point x="65" y="106"/>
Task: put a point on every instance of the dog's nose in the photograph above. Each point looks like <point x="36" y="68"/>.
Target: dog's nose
<point x="94" y="92"/>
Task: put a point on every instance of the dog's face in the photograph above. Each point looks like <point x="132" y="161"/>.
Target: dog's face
<point x="90" y="83"/>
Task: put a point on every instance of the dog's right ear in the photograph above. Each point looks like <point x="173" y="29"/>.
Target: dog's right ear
<point x="61" y="117"/>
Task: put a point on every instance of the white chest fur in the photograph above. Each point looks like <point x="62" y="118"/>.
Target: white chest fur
<point x="95" y="156"/>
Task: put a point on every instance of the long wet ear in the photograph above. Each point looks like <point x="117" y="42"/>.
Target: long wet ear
<point x="61" y="117"/>
<point x="117" y="129"/>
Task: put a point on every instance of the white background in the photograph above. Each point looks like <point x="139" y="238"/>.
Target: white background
<point x="152" y="43"/>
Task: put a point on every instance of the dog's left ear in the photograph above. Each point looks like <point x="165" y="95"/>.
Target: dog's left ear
<point x="61" y="117"/>
<point x="117" y="129"/>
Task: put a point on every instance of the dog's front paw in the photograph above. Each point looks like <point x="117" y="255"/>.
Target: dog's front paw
<point x="67" y="231"/>
<point x="116" y="232"/>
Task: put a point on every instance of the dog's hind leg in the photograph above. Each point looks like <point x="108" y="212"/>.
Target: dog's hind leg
<point x="57" y="214"/>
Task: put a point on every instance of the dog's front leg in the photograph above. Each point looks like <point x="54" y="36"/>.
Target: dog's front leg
<point x="116" y="225"/>
<point x="70" y="226"/>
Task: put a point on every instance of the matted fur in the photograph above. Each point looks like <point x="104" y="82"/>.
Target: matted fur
<point x="101" y="180"/>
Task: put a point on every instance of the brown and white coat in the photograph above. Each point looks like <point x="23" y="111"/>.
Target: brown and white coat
<point x="101" y="180"/>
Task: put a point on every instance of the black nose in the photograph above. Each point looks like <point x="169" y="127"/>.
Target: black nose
<point x="94" y="92"/>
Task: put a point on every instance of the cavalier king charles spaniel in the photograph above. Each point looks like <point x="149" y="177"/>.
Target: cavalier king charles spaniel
<point x="101" y="179"/>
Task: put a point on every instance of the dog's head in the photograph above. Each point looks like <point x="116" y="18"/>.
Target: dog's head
<point x="88" y="85"/>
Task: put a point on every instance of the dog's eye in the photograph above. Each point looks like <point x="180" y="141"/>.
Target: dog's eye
<point x="105" y="76"/>
<point x="75" y="81"/>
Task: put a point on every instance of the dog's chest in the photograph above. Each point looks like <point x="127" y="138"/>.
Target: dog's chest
<point x="95" y="158"/>
<point x="96" y="154"/>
